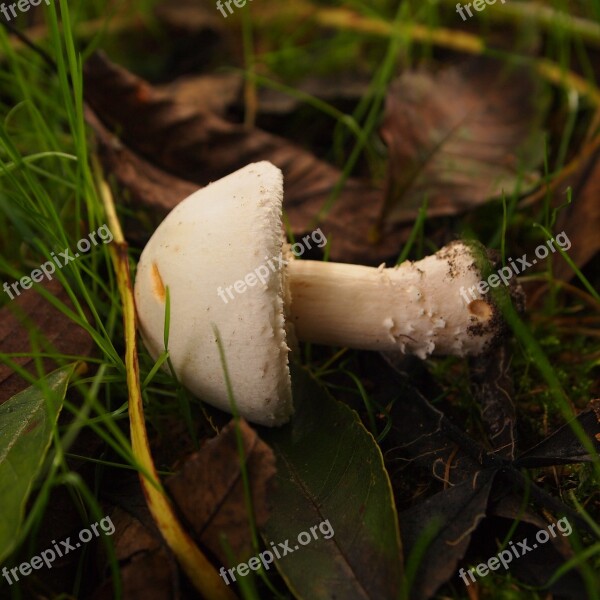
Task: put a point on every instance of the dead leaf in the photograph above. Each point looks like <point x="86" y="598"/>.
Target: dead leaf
<point x="459" y="138"/>
<point x="197" y="147"/>
<point x="338" y="89"/>
<point x="423" y="437"/>
<point x="31" y="314"/>
<point x="148" y="184"/>
<point x="455" y="514"/>
<point x="563" y="447"/>
<point x="493" y="391"/>
<point x="148" y="569"/>
<point x="536" y="567"/>
<point x="214" y="93"/>
<point x="209" y="491"/>
<point x="581" y="220"/>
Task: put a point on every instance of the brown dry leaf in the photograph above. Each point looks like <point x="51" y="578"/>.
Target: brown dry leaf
<point x="214" y="93"/>
<point x="148" y="184"/>
<point x="30" y="313"/>
<point x="148" y="569"/>
<point x="177" y="146"/>
<point x="581" y="220"/>
<point x="459" y="138"/>
<point x="286" y="114"/>
<point x="209" y="490"/>
<point x="337" y="89"/>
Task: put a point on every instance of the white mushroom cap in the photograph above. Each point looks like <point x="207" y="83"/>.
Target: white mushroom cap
<point x="212" y="239"/>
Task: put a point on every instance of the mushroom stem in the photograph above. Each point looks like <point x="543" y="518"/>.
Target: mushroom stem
<point x="417" y="308"/>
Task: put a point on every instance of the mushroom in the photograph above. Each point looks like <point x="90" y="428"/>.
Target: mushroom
<point x="227" y="237"/>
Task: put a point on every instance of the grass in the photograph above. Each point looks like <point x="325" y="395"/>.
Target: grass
<point x="49" y="200"/>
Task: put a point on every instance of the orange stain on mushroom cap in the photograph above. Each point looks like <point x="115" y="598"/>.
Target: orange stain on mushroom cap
<point x="158" y="285"/>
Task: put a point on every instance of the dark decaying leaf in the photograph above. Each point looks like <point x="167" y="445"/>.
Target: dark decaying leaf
<point x="492" y="388"/>
<point x="209" y="491"/>
<point x="425" y="438"/>
<point x="538" y="566"/>
<point x="336" y="89"/>
<point x="31" y="314"/>
<point x="330" y="468"/>
<point x="459" y="138"/>
<point x="563" y="447"/>
<point x="169" y="140"/>
<point x="148" y="569"/>
<point x="581" y="220"/>
<point x="148" y="184"/>
<point x="287" y="113"/>
<point x="452" y="515"/>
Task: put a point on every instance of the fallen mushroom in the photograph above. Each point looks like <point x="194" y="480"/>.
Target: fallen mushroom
<point x="222" y="232"/>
